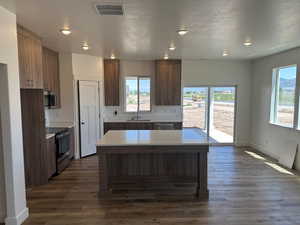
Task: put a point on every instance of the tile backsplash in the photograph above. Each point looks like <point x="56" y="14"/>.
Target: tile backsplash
<point x="158" y="113"/>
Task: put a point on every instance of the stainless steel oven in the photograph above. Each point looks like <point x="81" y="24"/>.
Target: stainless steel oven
<point x="62" y="144"/>
<point x="63" y="147"/>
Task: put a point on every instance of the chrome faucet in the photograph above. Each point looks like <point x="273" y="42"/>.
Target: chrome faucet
<point x="136" y="117"/>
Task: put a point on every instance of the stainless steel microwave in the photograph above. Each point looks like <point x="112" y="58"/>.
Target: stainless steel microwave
<point x="50" y="99"/>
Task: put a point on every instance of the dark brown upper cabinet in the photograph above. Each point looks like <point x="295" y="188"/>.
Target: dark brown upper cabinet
<point x="168" y="82"/>
<point x="51" y="73"/>
<point x="111" y="82"/>
<point x="30" y="59"/>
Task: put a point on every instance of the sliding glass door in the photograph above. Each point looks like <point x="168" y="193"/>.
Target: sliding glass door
<point x="222" y="114"/>
<point x="195" y="108"/>
<point x="211" y="111"/>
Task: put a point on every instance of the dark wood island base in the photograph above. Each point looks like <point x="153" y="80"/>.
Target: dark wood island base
<point x="170" y="170"/>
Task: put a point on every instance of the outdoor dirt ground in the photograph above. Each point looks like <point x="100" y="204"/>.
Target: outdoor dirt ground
<point x="223" y="120"/>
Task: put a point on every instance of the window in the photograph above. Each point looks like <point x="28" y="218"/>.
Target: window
<point x="137" y="94"/>
<point x="283" y="96"/>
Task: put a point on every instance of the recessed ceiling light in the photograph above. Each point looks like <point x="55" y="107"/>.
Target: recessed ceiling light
<point x="172" y="47"/>
<point x="182" y="32"/>
<point x="225" y="53"/>
<point x="166" y="56"/>
<point x="85" y="47"/>
<point x="66" y="31"/>
<point x="112" y="56"/>
<point x="247" y="43"/>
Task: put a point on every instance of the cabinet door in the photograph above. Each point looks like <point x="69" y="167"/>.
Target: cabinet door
<point x="51" y="73"/>
<point x="111" y="82"/>
<point x="161" y="89"/>
<point x="138" y="126"/>
<point x="37" y="73"/>
<point x="46" y="74"/>
<point x="168" y="82"/>
<point x="175" y="82"/>
<point x="114" y="126"/>
<point x="25" y="67"/>
<point x="30" y="60"/>
<point x="51" y="157"/>
<point x="33" y="125"/>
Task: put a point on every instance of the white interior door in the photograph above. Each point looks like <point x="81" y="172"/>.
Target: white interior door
<point x="89" y="116"/>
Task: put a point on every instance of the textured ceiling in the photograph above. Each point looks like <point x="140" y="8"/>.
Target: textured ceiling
<point x="9" y="4"/>
<point x="149" y="26"/>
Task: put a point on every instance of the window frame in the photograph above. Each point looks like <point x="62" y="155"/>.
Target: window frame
<point x="138" y="93"/>
<point x="275" y="95"/>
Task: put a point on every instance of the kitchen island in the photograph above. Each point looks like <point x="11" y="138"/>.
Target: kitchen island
<point x="167" y="161"/>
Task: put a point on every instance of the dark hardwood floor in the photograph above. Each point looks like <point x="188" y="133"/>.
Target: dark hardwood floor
<point x="244" y="190"/>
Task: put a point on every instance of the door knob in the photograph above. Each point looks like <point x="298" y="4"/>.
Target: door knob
<point x="82" y="123"/>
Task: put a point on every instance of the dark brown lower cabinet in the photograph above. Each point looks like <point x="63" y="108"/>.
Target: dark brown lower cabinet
<point x="138" y="125"/>
<point x="34" y="132"/>
<point x="72" y="143"/>
<point x="51" y="157"/>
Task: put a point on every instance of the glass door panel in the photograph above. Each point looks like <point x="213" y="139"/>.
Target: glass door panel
<point x="222" y="114"/>
<point x="195" y="102"/>
<point x="144" y="94"/>
<point x="131" y="94"/>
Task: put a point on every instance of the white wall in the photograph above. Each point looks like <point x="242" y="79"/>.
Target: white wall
<point x="74" y="67"/>
<point x="65" y="114"/>
<point x="2" y="179"/>
<point x="266" y="137"/>
<point x="158" y="113"/>
<point x="11" y="120"/>
<point x="214" y="72"/>
<point x="86" y="67"/>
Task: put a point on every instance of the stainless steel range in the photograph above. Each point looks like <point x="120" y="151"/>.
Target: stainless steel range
<point x="62" y="141"/>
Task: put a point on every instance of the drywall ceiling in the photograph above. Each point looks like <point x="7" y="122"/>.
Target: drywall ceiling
<point x="149" y="26"/>
<point x="9" y="5"/>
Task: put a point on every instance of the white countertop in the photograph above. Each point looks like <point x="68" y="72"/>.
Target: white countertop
<point x="141" y="121"/>
<point x="48" y="136"/>
<point x="61" y="124"/>
<point x="152" y="137"/>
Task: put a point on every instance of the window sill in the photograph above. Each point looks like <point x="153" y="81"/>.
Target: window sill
<point x="140" y="112"/>
<point x="281" y="125"/>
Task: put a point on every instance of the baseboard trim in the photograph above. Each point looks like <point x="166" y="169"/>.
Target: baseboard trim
<point x="242" y="145"/>
<point x="264" y="151"/>
<point x="19" y="219"/>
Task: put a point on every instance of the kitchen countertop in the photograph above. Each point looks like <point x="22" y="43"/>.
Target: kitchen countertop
<point x="48" y="136"/>
<point x="142" y="121"/>
<point x="61" y="125"/>
<point x="153" y="137"/>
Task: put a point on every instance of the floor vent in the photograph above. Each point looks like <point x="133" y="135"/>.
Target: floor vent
<point x="109" y="10"/>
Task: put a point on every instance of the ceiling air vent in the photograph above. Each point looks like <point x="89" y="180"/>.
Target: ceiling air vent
<point x="109" y="9"/>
